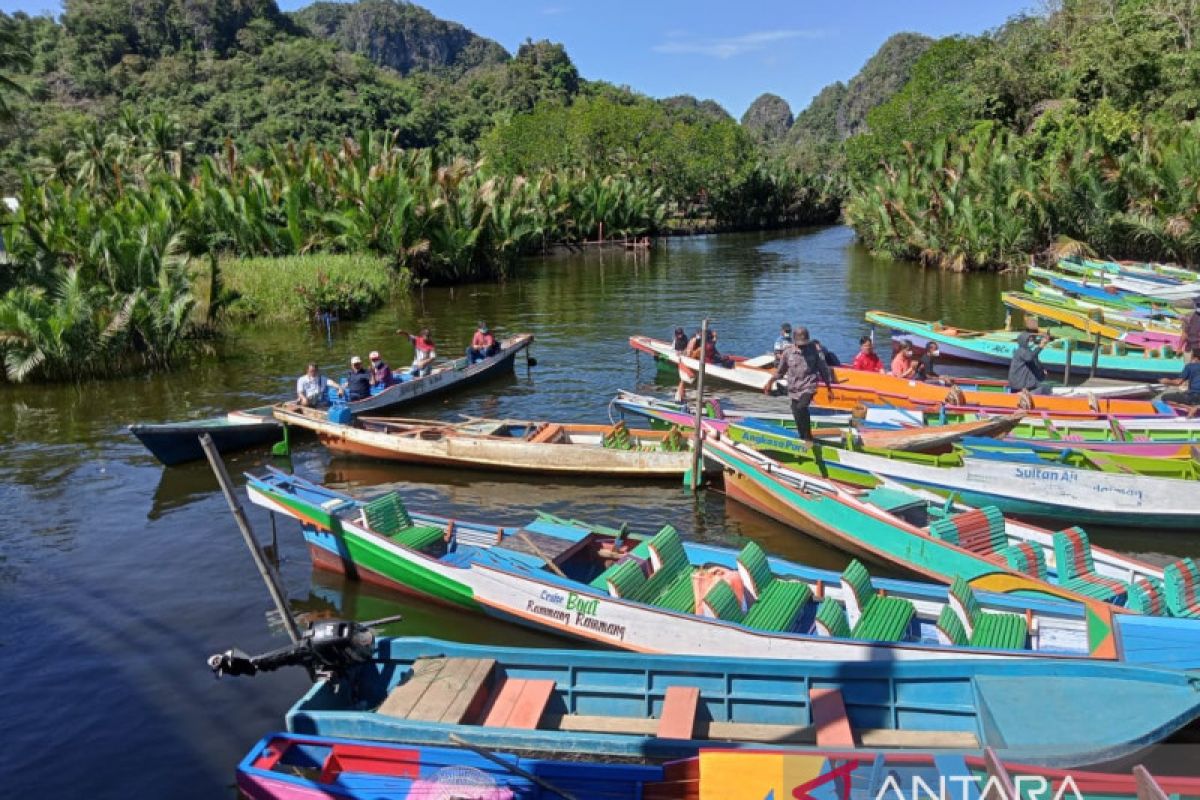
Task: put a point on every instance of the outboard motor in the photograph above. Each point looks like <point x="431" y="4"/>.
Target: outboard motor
<point x="327" y="648"/>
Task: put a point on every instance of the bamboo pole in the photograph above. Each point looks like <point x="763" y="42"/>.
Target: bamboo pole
<point x="697" y="444"/>
<point x="260" y="560"/>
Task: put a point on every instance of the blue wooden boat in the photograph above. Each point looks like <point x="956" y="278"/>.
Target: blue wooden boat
<point x="445" y="377"/>
<point x="284" y="766"/>
<point x="178" y="442"/>
<point x="1054" y="713"/>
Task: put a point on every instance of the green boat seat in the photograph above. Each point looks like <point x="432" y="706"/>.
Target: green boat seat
<point x="666" y="549"/>
<point x="983" y="628"/>
<point x="980" y="530"/>
<point x="1027" y="558"/>
<point x="1181" y="580"/>
<point x="674" y="442"/>
<point x="873" y="616"/>
<point x="679" y="596"/>
<point x="625" y="579"/>
<point x="1146" y="596"/>
<point x="778" y="608"/>
<point x="618" y="438"/>
<point x="831" y="619"/>
<point x="388" y="517"/>
<point x="753" y="568"/>
<point x="722" y="603"/>
<point x="1077" y="571"/>
<point x="950" y="628"/>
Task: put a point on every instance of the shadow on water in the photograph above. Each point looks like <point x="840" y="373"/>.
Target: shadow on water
<point x="118" y="577"/>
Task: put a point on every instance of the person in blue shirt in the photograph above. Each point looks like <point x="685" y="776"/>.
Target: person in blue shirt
<point x="783" y="342"/>
<point x="1189" y="382"/>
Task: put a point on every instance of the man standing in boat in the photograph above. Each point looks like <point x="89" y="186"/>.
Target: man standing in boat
<point x="804" y="369"/>
<point x="1026" y="374"/>
<point x="424" y="351"/>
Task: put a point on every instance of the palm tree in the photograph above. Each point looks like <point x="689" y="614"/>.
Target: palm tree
<point x="14" y="55"/>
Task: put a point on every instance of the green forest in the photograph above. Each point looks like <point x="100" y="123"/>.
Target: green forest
<point x="161" y="150"/>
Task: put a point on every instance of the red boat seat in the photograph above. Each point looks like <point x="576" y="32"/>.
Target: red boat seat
<point x="1182" y="581"/>
<point x="520" y="703"/>
<point x="1077" y="571"/>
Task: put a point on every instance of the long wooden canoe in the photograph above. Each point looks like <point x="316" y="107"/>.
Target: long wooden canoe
<point x="178" y="442"/>
<point x="446" y="377"/>
<point x="855" y="388"/>
<point x="547" y="448"/>
<point x="1081" y="489"/>
<point x="659" y="707"/>
<point x="997" y="347"/>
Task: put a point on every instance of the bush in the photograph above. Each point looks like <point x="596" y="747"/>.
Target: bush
<point x="297" y="287"/>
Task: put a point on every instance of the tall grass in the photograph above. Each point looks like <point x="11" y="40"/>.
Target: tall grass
<point x="290" y="288"/>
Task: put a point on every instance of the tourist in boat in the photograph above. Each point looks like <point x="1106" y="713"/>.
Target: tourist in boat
<point x="904" y="365"/>
<point x="358" y="382"/>
<point x="381" y="373"/>
<point x="828" y="356"/>
<point x="712" y="355"/>
<point x="483" y="344"/>
<point x="867" y="360"/>
<point x="804" y="370"/>
<point x="925" y="369"/>
<point x="680" y="342"/>
<point x="310" y="387"/>
<point x="783" y="342"/>
<point x="1025" y="372"/>
<point x="1189" y="339"/>
<point x="424" y="351"/>
<point x="1189" y="382"/>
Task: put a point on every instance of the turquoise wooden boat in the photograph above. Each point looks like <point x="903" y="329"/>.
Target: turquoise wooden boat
<point x="997" y="347"/>
<point x="424" y="691"/>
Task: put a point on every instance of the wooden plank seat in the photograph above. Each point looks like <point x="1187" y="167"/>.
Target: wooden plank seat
<point x="549" y="433"/>
<point x="520" y="703"/>
<point x="985" y="629"/>
<point x="1077" y="571"/>
<point x="1181" y="580"/>
<point x="980" y="530"/>
<point x="1027" y="558"/>
<point x="678" y="718"/>
<point x="1147" y="596"/>
<point x="388" y="517"/>
<point x="451" y="690"/>
<point x="873" y="616"/>
<point x="829" y="718"/>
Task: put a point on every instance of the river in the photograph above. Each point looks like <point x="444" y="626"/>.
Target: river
<point x="118" y="577"/>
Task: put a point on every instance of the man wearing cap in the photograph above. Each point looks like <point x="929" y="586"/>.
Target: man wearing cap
<point x="804" y="369"/>
<point x="358" y="382"/>
<point x="483" y="344"/>
<point x="783" y="342"/>
<point x="381" y="373"/>
<point x="1189" y="338"/>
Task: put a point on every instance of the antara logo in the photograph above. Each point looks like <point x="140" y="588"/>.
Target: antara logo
<point x="954" y="787"/>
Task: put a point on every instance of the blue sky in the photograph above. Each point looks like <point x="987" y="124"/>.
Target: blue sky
<point x="730" y="51"/>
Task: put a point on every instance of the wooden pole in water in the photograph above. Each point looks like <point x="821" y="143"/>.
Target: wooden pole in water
<point x="697" y="443"/>
<point x="260" y="560"/>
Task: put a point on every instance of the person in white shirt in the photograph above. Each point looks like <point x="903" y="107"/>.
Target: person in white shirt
<point x="310" y="387"/>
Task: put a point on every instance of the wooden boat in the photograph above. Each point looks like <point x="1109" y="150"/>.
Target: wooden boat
<point x="855" y="388"/>
<point x="586" y="582"/>
<point x="423" y="691"/>
<point x="445" y="377"/>
<point x="548" y="448"/>
<point x="1155" y="286"/>
<point x="859" y="775"/>
<point x="1171" y="271"/>
<point x="923" y="535"/>
<point x="178" y="442"/>
<point x="1081" y="487"/>
<point x="1113" y="309"/>
<point x="1107" y="295"/>
<point x="914" y="438"/>
<point x="284" y="766"/>
<point x="1140" y="331"/>
<point x="1172" y="438"/>
<point x="997" y="347"/>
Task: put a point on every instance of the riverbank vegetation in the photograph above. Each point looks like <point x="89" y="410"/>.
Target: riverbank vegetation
<point x="297" y="288"/>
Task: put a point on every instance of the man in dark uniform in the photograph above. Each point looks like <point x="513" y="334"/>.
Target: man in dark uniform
<point x="804" y="369"/>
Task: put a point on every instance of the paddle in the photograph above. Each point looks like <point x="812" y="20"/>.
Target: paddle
<point x="513" y="768"/>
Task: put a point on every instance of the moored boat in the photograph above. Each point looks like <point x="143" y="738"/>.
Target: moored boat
<point x="855" y="388"/>
<point x="662" y="707"/>
<point x="179" y="442"/>
<point x="502" y="445"/>
<point x="997" y="347"/>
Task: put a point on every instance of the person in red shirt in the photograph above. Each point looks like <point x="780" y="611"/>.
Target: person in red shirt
<point x="483" y="344"/>
<point x="866" y="360"/>
<point x="424" y="352"/>
<point x="904" y="365"/>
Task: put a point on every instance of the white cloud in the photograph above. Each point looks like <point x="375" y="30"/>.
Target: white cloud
<point x="730" y="46"/>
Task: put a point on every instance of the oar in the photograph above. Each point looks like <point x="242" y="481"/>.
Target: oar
<point x="538" y="551"/>
<point x="513" y="768"/>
